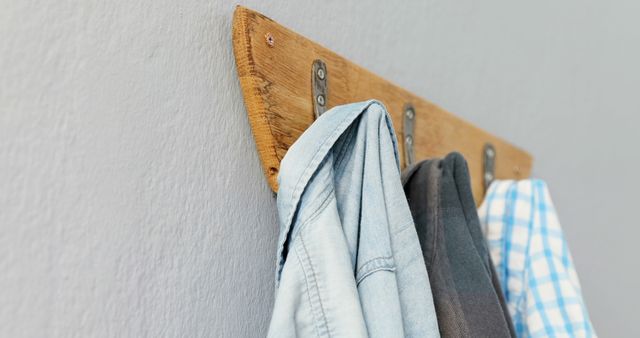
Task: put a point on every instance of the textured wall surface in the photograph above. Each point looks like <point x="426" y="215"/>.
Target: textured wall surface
<point x="132" y="202"/>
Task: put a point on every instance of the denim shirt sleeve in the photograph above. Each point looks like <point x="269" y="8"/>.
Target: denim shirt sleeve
<point x="349" y="263"/>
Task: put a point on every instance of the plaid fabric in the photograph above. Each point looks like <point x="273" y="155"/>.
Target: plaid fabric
<point x="533" y="262"/>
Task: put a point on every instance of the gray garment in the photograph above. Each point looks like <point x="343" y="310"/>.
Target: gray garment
<point x="465" y="288"/>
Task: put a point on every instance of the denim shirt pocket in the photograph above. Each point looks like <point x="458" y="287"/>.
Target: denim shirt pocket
<point x="375" y="265"/>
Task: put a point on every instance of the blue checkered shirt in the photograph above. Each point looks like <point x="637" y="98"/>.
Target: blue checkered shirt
<point x="533" y="262"/>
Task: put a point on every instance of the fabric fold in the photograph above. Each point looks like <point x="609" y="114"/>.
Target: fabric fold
<point x="349" y="262"/>
<point x="533" y="261"/>
<point x="466" y="292"/>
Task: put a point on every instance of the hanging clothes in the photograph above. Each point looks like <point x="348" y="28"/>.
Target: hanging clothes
<point x="466" y="291"/>
<point x="533" y="261"/>
<point x="349" y="262"/>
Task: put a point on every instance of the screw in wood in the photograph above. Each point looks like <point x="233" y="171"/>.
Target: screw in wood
<point x="270" y="40"/>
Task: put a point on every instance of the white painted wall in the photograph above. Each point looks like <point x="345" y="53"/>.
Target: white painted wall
<point x="132" y="202"/>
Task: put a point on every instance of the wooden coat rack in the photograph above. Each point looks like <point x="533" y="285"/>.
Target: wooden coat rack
<point x="276" y="69"/>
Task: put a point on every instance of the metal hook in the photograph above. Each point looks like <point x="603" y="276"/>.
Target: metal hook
<point x="489" y="165"/>
<point x="408" y="128"/>
<point x="319" y="87"/>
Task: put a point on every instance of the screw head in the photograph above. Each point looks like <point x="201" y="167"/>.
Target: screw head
<point x="408" y="140"/>
<point x="320" y="73"/>
<point x="491" y="152"/>
<point x="270" y="40"/>
<point x="410" y="113"/>
<point x="320" y="99"/>
<point x="488" y="177"/>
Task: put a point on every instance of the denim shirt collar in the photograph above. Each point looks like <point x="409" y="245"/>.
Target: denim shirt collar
<point x="309" y="151"/>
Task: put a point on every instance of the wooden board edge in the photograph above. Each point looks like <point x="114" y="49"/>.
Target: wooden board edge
<point x="251" y="91"/>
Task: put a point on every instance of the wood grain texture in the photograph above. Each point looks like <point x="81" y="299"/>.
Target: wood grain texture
<point x="274" y="67"/>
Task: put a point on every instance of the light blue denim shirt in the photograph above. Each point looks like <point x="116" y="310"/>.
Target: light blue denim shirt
<point x="349" y="260"/>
